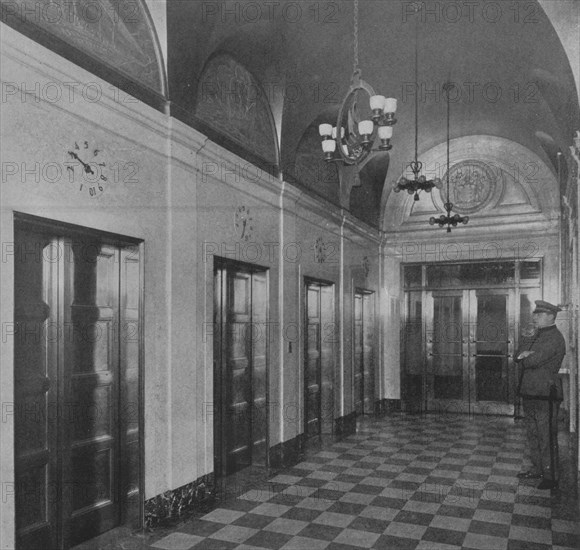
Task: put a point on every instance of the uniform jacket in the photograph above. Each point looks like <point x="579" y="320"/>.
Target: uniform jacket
<point x="540" y="370"/>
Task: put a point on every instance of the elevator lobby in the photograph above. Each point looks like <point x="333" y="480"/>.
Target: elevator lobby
<point x="266" y="268"/>
<point x="402" y="482"/>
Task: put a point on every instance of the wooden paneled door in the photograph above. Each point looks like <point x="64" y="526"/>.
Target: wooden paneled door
<point x="364" y="358"/>
<point x="240" y="366"/>
<point x="77" y="384"/>
<point x="319" y="358"/>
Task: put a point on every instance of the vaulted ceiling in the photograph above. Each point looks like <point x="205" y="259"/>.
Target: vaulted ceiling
<point x="505" y="57"/>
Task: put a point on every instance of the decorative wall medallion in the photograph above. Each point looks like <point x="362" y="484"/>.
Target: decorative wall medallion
<point x="243" y="223"/>
<point x="577" y="142"/>
<point x="320" y="251"/>
<point x="87" y="168"/>
<point x="471" y="185"/>
<point x="366" y="264"/>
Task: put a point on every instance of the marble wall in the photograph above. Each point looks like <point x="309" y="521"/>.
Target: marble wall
<point x="187" y="198"/>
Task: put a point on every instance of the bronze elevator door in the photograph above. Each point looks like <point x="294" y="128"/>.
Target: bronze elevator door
<point x="319" y="359"/>
<point x="77" y="302"/>
<point x="240" y="373"/>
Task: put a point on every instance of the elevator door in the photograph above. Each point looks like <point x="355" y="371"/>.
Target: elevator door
<point x="76" y="369"/>
<point x="469" y="346"/>
<point x="319" y="359"/>
<point x="363" y="388"/>
<point x="240" y="374"/>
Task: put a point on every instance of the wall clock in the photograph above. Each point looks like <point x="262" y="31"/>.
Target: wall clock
<point x="243" y="223"/>
<point x="88" y="168"/>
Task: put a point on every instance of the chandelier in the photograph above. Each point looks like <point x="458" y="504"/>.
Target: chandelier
<point x="359" y="126"/>
<point x="448" y="220"/>
<point x="419" y="182"/>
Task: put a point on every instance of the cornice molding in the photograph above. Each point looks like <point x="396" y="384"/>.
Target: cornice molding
<point x="430" y="241"/>
<point x="360" y="232"/>
<point x="233" y="171"/>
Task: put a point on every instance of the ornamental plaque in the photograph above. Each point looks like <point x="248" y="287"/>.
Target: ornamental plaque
<point x="471" y="185"/>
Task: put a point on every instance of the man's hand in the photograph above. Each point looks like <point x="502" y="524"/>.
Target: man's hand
<point x="525" y="354"/>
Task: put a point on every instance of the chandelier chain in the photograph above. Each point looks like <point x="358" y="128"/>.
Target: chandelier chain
<point x="356" y="67"/>
<point x="448" y="162"/>
<point x="416" y="85"/>
<point x="448" y="146"/>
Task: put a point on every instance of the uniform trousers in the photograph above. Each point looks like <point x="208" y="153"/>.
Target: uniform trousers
<point x="542" y="435"/>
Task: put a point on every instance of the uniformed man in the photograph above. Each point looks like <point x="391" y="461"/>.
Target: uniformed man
<point x="540" y="356"/>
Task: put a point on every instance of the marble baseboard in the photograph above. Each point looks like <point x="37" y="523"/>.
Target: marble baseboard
<point x="170" y="506"/>
<point x="345" y="425"/>
<point x="286" y="454"/>
<point x="386" y="406"/>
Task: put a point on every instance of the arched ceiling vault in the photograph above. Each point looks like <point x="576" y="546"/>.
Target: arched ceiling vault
<point x="510" y="65"/>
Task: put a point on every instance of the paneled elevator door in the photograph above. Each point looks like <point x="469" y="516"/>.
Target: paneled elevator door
<point x="469" y="346"/>
<point x="76" y="373"/>
<point x="319" y="358"/>
<point x="240" y="371"/>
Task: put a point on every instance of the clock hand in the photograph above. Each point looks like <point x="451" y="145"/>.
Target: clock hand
<point x="87" y="168"/>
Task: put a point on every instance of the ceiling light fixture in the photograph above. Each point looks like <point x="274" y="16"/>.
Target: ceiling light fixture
<point x="418" y="183"/>
<point x="448" y="220"/>
<point x="359" y="127"/>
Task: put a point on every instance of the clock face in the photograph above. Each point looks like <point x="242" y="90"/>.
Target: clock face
<point x="243" y="223"/>
<point x="87" y="168"/>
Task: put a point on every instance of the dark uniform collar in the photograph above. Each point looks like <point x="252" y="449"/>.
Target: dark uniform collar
<point x="543" y="329"/>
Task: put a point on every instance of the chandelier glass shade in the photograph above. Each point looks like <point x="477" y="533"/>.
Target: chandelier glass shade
<point x="363" y="117"/>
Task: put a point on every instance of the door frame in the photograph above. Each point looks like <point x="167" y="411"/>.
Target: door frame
<point x="219" y="436"/>
<point x="59" y="229"/>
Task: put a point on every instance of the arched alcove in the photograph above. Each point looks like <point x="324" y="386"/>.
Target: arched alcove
<point x="232" y="102"/>
<point x="501" y="181"/>
<point x="115" y="40"/>
<point x="357" y="189"/>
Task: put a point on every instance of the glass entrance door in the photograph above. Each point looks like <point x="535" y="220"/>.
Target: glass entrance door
<point x="469" y="345"/>
<point x="491" y="348"/>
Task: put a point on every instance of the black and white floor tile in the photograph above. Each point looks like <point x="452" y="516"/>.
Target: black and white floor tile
<point x="425" y="482"/>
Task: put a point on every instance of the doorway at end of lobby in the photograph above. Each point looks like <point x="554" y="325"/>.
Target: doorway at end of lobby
<point x="461" y="326"/>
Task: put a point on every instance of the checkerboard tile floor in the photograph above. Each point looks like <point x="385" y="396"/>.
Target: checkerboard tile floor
<point x="402" y="482"/>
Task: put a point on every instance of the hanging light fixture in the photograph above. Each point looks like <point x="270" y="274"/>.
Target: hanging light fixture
<point x="419" y="182"/>
<point x="448" y="220"/>
<point x="354" y="142"/>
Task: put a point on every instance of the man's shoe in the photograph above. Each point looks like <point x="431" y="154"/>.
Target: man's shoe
<point x="546" y="484"/>
<point x="529" y="475"/>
